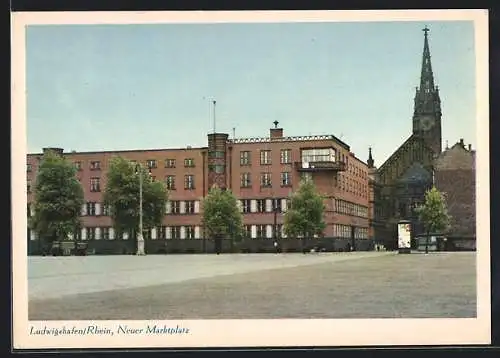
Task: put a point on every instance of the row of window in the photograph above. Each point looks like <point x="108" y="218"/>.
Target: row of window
<point x="265" y="179"/>
<point x="265" y="157"/>
<point x="347" y="231"/>
<point x="349" y="208"/>
<point x="262" y="231"/>
<point x="353" y="186"/>
<point x="170" y="182"/>
<point x="279" y="205"/>
<point x="246" y="206"/>
<point x="174" y="207"/>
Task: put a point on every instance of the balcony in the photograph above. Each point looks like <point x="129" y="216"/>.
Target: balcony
<point x="315" y="163"/>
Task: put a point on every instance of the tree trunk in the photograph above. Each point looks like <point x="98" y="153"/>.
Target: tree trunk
<point x="427" y="243"/>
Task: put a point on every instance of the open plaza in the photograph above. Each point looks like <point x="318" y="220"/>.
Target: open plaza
<point x="253" y="286"/>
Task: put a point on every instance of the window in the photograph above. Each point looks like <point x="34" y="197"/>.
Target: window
<point x="170" y="182"/>
<point x="28" y="168"/>
<point x="106" y="210"/>
<point x="285" y="156"/>
<point x="245" y="180"/>
<point x="176" y="232"/>
<point x="169" y="163"/>
<point x="265" y="157"/>
<point x="28" y="186"/>
<point x="279" y="230"/>
<point x="245" y="205"/>
<point x="176" y="206"/>
<point x="265" y="180"/>
<point x="247" y="231"/>
<point x="189" y="162"/>
<point x="216" y="154"/>
<point x="95" y="184"/>
<point x="218" y="168"/>
<point x="146" y="234"/>
<point x="91" y="209"/>
<point x="91" y="233"/>
<point x="318" y="155"/>
<point x="105" y="233"/>
<point x="189" y="182"/>
<point x="95" y="165"/>
<point x="151" y="163"/>
<point x="261" y="231"/>
<point x="261" y="205"/>
<point x="189" y="232"/>
<point x="306" y="176"/>
<point x="286" y="179"/>
<point x="162" y="232"/>
<point x="78" y="165"/>
<point x="190" y="207"/>
<point x="245" y="158"/>
<point x="277" y="205"/>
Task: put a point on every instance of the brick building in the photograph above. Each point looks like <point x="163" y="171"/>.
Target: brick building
<point x="455" y="175"/>
<point x="261" y="172"/>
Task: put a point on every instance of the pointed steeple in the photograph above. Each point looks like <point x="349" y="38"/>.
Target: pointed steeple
<point x="427" y="106"/>
<point x="426" y="75"/>
<point x="370" y="160"/>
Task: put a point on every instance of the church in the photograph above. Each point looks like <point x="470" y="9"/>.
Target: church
<point x="398" y="186"/>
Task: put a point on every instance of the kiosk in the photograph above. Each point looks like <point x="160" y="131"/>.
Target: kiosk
<point x="404" y="237"/>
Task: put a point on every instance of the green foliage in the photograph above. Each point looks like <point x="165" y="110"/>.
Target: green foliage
<point x="304" y="217"/>
<point x="122" y="197"/>
<point x="433" y="214"/>
<point x="221" y="214"/>
<point x="58" y="199"/>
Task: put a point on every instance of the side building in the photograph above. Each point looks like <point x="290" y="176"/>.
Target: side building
<point x="455" y="176"/>
<point x="261" y="172"/>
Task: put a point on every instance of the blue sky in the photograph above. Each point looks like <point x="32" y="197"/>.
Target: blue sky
<point x="114" y="87"/>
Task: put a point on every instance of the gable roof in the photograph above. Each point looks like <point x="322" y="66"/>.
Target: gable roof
<point x="412" y="138"/>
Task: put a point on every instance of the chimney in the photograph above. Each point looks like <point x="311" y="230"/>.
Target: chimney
<point x="276" y="132"/>
<point x="470" y="147"/>
<point x="462" y="142"/>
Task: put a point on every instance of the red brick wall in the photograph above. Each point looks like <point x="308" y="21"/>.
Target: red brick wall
<point x="455" y="176"/>
<point x="459" y="188"/>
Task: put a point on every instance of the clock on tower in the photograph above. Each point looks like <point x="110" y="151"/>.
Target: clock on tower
<point x="427" y="123"/>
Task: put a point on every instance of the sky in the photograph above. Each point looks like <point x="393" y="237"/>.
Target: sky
<point x="119" y="87"/>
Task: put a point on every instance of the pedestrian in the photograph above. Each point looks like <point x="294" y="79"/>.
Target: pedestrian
<point x="276" y="246"/>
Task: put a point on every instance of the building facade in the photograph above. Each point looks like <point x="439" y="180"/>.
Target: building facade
<point x="455" y="176"/>
<point x="261" y="172"/>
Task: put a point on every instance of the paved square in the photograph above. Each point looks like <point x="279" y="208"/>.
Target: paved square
<point x="325" y="285"/>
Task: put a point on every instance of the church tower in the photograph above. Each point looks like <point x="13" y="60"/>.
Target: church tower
<point x="427" y="107"/>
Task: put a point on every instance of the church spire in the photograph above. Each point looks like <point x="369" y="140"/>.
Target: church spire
<point x="427" y="106"/>
<point x="370" y="161"/>
<point x="426" y="75"/>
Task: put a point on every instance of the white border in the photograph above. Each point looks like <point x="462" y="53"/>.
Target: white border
<point x="234" y="333"/>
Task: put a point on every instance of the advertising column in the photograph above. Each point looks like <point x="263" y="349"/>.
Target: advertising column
<point x="404" y="237"/>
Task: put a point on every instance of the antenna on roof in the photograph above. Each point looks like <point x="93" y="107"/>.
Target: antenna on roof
<point x="214" y="102"/>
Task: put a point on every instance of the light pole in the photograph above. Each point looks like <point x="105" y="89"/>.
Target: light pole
<point x="275" y="224"/>
<point x="140" y="238"/>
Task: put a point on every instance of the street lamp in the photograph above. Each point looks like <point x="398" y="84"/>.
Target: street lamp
<point x="275" y="223"/>
<point x="140" y="238"/>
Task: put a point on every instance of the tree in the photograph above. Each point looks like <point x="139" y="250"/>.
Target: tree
<point x="222" y="216"/>
<point x="58" y="200"/>
<point x="433" y="214"/>
<point x="121" y="196"/>
<point x="304" y="217"/>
